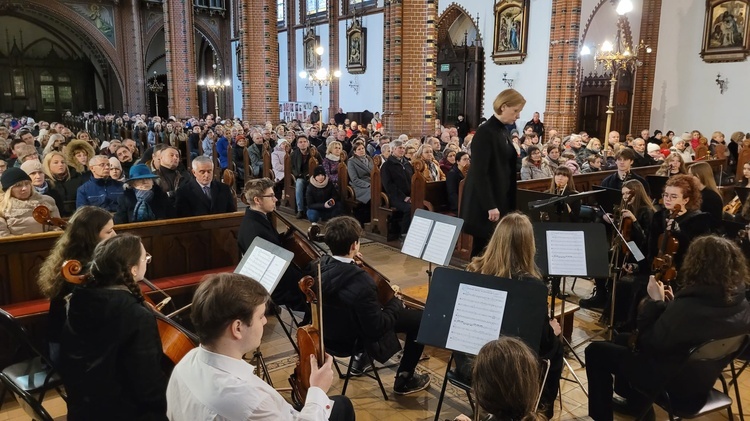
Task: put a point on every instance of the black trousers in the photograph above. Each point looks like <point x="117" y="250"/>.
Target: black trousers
<point x="408" y="322"/>
<point x="607" y="359"/>
<point x="403" y="215"/>
<point x="478" y="244"/>
<point x="342" y="409"/>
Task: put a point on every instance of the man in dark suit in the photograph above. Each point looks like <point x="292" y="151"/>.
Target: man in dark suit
<point x="490" y="186"/>
<point x="203" y="195"/>
<point x="261" y="202"/>
<point x="396" y="174"/>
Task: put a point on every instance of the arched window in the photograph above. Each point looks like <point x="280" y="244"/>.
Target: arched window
<point x="64" y="91"/>
<point x="19" y="84"/>
<point x="47" y="91"/>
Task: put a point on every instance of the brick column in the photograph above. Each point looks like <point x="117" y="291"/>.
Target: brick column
<point x="182" y="89"/>
<point x="410" y="55"/>
<point x="333" y="59"/>
<point x="644" y="76"/>
<point x="260" y="67"/>
<point x="291" y="48"/>
<point x="562" y="73"/>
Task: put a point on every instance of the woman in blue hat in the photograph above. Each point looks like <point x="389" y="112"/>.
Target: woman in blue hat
<point x="143" y="199"/>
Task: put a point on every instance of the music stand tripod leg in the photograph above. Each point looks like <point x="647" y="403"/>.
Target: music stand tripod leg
<point x="565" y="342"/>
<point x="261" y="366"/>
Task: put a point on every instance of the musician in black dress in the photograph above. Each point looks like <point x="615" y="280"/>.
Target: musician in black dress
<point x="710" y="305"/>
<point x="562" y="184"/>
<point x="110" y="348"/>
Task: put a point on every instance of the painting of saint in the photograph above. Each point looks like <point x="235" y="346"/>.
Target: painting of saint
<point x="354" y="48"/>
<point x="509" y="33"/>
<point x="725" y="32"/>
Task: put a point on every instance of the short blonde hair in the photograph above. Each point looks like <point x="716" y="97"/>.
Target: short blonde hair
<point x="509" y="98"/>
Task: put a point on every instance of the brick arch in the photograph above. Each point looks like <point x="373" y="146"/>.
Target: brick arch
<point x="83" y="30"/>
<point x="449" y="16"/>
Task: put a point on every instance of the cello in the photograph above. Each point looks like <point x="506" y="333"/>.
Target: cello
<point x="42" y="215"/>
<point x="176" y="341"/>
<point x="309" y="341"/>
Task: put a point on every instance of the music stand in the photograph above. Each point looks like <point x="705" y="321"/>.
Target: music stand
<point x="742" y="193"/>
<point x="465" y="310"/>
<point x="657" y="184"/>
<point x="432" y="237"/>
<point x="266" y="263"/>
<point x="609" y="198"/>
<point x="571" y="249"/>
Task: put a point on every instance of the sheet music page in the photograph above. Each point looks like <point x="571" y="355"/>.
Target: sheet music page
<point x="566" y="253"/>
<point x="417" y="236"/>
<point x="477" y="318"/>
<point x="274" y="271"/>
<point x="257" y="264"/>
<point x="439" y="245"/>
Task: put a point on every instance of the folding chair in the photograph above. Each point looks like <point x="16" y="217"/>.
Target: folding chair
<point x="35" y="375"/>
<point x="710" y="358"/>
<point x="355" y="350"/>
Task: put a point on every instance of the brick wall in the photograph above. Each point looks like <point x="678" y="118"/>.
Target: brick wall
<point x="180" y="57"/>
<point x="644" y="77"/>
<point x="260" y="61"/>
<point x="333" y="58"/>
<point x="410" y="55"/>
<point x="562" y="73"/>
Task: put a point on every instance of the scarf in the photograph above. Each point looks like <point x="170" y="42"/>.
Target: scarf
<point x="43" y="188"/>
<point x="315" y="183"/>
<point x="333" y="157"/>
<point x="433" y="171"/>
<point x="142" y="210"/>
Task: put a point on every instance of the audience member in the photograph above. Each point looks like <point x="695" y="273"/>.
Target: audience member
<point x="143" y="199"/>
<point x="203" y="195"/>
<point x="322" y="197"/>
<point x="396" y="173"/>
<point x="100" y="190"/>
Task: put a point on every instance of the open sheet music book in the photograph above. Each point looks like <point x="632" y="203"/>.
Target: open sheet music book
<point x="432" y="237"/>
<point x="265" y="262"/>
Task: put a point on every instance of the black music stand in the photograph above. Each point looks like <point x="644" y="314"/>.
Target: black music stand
<point x="657" y="184"/>
<point x="609" y="198"/>
<point x="571" y="249"/>
<point x="266" y="263"/>
<point x="432" y="237"/>
<point x="465" y="310"/>
<point x="742" y="193"/>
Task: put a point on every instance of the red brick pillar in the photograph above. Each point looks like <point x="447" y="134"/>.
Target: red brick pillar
<point x="291" y="47"/>
<point x="410" y="56"/>
<point x="562" y="73"/>
<point x="260" y="66"/>
<point x="333" y="59"/>
<point x="182" y="88"/>
<point x="644" y="77"/>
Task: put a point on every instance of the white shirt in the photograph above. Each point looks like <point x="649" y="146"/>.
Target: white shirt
<point x="209" y="386"/>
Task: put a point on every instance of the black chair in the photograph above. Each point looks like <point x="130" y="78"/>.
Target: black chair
<point x="744" y="360"/>
<point x="31" y="406"/>
<point x="452" y="376"/>
<point x="356" y="349"/>
<point x="708" y="359"/>
<point x="34" y="375"/>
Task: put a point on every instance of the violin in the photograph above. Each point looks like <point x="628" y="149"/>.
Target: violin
<point x="663" y="265"/>
<point x="42" y="215"/>
<point x="626" y="224"/>
<point x="176" y="341"/>
<point x="309" y="341"/>
<point x="733" y="206"/>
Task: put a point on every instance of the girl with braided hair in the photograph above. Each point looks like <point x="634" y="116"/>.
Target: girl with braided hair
<point x="110" y="347"/>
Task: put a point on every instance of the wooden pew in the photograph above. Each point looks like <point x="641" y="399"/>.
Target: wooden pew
<point x="429" y="195"/>
<point x="179" y="247"/>
<point x="289" y="200"/>
<point x="346" y="193"/>
<point x="380" y="207"/>
<point x="267" y="167"/>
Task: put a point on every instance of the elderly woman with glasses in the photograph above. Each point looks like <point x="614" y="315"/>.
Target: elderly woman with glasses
<point x="143" y="199"/>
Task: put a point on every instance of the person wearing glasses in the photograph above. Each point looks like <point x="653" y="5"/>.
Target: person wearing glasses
<point x="110" y="351"/>
<point x="100" y="190"/>
<point x="261" y="201"/>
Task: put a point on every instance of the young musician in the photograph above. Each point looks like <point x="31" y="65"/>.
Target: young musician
<point x="87" y="227"/>
<point x="624" y="159"/>
<point x="562" y="184"/>
<point x="213" y="382"/>
<point x="710" y="305"/>
<point x="510" y="254"/>
<point x="261" y="201"/>
<point x="110" y="347"/>
<point x="639" y="210"/>
<point x="711" y="201"/>
<point x="351" y="311"/>
<point x="512" y="395"/>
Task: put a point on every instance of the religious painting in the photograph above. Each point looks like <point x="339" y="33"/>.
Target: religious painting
<point x="312" y="59"/>
<point x="511" y="31"/>
<point x="726" y="32"/>
<point x="356" y="51"/>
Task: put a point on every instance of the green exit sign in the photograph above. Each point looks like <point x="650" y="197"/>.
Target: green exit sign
<point x="445" y="67"/>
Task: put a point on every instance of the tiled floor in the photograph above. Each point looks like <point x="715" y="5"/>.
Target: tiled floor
<point x="368" y="401"/>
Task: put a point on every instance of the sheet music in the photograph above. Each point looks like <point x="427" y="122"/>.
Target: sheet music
<point x="264" y="267"/>
<point x="566" y="253"/>
<point x="416" y="238"/>
<point x="439" y="246"/>
<point x="477" y="318"/>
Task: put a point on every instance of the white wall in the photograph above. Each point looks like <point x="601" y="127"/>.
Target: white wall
<point x="530" y="77"/>
<point x="686" y="96"/>
<point x="370" y="96"/>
